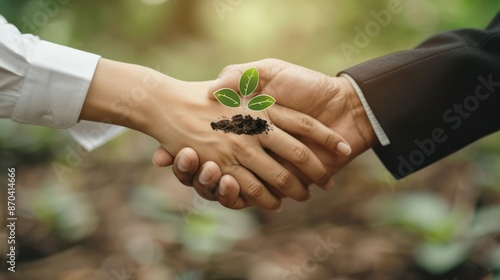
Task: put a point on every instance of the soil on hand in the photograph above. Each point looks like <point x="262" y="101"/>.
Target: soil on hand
<point x="240" y="124"/>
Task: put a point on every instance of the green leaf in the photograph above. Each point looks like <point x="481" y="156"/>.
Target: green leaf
<point x="440" y="258"/>
<point x="228" y="97"/>
<point x="261" y="102"/>
<point x="425" y="213"/>
<point x="249" y="81"/>
<point x="485" y="222"/>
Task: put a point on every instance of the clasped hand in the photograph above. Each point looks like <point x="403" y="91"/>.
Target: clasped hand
<point x="240" y="171"/>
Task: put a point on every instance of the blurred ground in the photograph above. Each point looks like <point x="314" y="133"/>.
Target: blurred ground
<point x="112" y="215"/>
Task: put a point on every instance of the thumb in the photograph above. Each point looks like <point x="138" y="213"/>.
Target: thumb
<point x="229" y="77"/>
<point x="162" y="158"/>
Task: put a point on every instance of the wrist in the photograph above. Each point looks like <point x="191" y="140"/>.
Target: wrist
<point x="157" y="114"/>
<point x="358" y="114"/>
<point x="123" y="94"/>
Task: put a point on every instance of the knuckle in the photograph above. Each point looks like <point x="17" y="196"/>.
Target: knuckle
<point x="270" y="61"/>
<point x="273" y="65"/>
<point x="300" y="154"/>
<point x="284" y="179"/>
<point x="323" y="176"/>
<point x="275" y="204"/>
<point x="331" y="141"/>
<point x="241" y="144"/>
<point x="229" y="68"/>
<point x="306" y="123"/>
<point x="243" y="148"/>
<point x="254" y="190"/>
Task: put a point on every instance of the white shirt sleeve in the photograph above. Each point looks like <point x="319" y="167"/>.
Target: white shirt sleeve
<point x="379" y="131"/>
<point x="42" y="83"/>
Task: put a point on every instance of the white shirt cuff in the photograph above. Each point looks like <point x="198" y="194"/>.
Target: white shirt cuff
<point x="379" y="131"/>
<point x="91" y="135"/>
<point x="55" y="86"/>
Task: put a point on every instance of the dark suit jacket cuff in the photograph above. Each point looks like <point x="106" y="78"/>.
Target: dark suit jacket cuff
<point x="435" y="99"/>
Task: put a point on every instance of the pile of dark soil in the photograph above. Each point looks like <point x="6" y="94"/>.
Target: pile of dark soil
<point x="239" y="124"/>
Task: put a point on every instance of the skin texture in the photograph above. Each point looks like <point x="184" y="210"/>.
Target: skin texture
<point x="178" y="114"/>
<point x="331" y="100"/>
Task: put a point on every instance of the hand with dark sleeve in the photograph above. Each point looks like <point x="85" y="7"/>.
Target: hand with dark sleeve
<point x="435" y="99"/>
<point x="413" y="107"/>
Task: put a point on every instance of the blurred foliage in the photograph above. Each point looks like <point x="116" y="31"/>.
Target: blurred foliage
<point x="423" y="213"/>
<point x="219" y="228"/>
<point x="448" y="242"/>
<point x="107" y="202"/>
<point x="29" y="144"/>
<point x="68" y="214"/>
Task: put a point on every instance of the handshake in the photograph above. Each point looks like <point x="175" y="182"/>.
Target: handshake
<point x="319" y="125"/>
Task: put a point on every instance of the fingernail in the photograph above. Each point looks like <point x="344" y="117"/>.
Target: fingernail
<point x="205" y="176"/>
<point x="154" y="162"/>
<point x="222" y="188"/>
<point x="344" y="148"/>
<point x="279" y="209"/>
<point x="184" y="163"/>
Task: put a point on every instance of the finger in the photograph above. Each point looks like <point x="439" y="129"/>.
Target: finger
<point x="206" y="180"/>
<point x="186" y="165"/>
<point x="297" y="123"/>
<point x="298" y="154"/>
<point x="252" y="190"/>
<point x="228" y="193"/>
<point x="270" y="171"/>
<point x="298" y="173"/>
<point x="230" y="76"/>
<point x="162" y="158"/>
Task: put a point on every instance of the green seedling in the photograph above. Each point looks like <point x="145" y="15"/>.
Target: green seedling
<point x="248" y="84"/>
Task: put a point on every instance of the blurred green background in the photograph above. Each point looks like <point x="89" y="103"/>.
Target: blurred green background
<point x="112" y="215"/>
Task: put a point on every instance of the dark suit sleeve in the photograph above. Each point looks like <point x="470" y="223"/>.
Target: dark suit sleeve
<point x="435" y="99"/>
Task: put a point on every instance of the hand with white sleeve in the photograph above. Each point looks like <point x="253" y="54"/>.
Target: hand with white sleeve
<point x="330" y="100"/>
